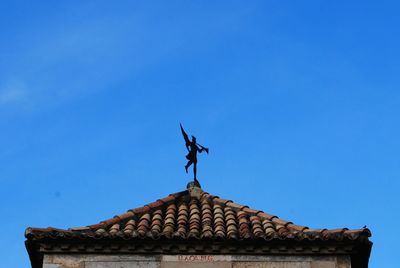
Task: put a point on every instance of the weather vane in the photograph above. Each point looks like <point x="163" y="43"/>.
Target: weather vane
<point x="193" y="147"/>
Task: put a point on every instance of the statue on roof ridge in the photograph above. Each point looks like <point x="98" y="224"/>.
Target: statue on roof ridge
<point x="193" y="147"/>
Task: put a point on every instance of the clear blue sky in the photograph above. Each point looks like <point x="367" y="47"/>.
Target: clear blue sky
<point x="298" y="101"/>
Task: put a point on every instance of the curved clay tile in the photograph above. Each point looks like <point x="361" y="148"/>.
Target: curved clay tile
<point x="144" y="224"/>
<point x="256" y="226"/>
<point x="194" y="218"/>
<point x="169" y="220"/>
<point x="114" y="229"/>
<point x="183" y="216"/>
<point x="129" y="227"/>
<point x="244" y="227"/>
<point x="231" y="224"/>
<point x="156" y="223"/>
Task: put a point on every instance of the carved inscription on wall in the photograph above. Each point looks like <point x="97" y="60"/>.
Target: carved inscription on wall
<point x="196" y="261"/>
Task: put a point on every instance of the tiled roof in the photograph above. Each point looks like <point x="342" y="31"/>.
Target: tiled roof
<point x="196" y="222"/>
<point x="199" y="215"/>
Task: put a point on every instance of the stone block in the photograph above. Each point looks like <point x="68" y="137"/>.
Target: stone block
<point x="47" y="265"/>
<point x="280" y="264"/>
<point x="123" y="264"/>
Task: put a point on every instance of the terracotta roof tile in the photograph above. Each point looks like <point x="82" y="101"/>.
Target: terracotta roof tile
<point x="184" y="216"/>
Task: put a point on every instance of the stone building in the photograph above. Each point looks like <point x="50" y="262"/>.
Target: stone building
<point x="196" y="229"/>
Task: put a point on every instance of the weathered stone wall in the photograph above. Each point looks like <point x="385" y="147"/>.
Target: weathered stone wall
<point x="193" y="261"/>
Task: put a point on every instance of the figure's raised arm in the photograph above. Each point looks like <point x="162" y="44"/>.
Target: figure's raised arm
<point x="202" y="148"/>
<point x="185" y="136"/>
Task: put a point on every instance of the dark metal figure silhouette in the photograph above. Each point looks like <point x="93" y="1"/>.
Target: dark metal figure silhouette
<point x="193" y="147"/>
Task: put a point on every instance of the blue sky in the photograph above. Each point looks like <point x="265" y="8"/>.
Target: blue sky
<point x="298" y="101"/>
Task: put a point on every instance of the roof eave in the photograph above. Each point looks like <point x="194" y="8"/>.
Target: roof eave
<point x="35" y="255"/>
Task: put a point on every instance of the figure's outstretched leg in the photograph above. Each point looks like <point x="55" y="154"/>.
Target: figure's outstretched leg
<point x="196" y="182"/>
<point x="195" y="170"/>
<point x="188" y="165"/>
